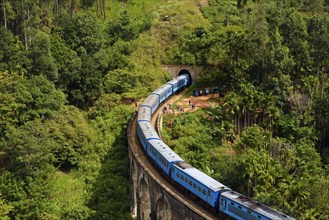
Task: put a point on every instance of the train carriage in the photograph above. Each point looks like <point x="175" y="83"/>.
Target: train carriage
<point x="146" y="132"/>
<point x="242" y="207"/>
<point x="198" y="183"/>
<point x="144" y="113"/>
<point x="163" y="92"/>
<point x="152" y="101"/>
<point x="183" y="80"/>
<point x="163" y="155"/>
<point x="174" y="84"/>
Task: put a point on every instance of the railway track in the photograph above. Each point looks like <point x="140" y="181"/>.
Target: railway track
<point x="148" y="167"/>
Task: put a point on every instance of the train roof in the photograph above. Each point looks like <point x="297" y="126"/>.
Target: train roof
<point x="162" y="89"/>
<point x="148" y="130"/>
<point x="256" y="206"/>
<point x="150" y="100"/>
<point x="173" y="82"/>
<point x="165" y="151"/>
<point x="180" y="77"/>
<point x="202" y="177"/>
<point x="144" y="113"/>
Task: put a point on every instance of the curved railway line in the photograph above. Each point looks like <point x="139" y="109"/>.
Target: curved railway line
<point x="144" y="162"/>
<point x="192" y="193"/>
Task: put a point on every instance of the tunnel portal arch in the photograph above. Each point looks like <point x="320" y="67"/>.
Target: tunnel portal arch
<point x="185" y="71"/>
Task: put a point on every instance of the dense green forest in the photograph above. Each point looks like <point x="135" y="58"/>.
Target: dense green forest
<point x="70" y="70"/>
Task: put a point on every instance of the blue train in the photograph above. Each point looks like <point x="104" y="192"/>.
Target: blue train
<point x="212" y="192"/>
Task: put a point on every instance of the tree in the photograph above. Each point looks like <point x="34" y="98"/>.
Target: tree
<point x="294" y="32"/>
<point x="81" y="31"/>
<point x="27" y="99"/>
<point x="71" y="135"/>
<point x="126" y="28"/>
<point x="13" y="56"/>
<point x="318" y="29"/>
<point x="43" y="63"/>
<point x="69" y="68"/>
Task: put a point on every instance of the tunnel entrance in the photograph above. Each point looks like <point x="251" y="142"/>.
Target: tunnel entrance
<point x="185" y="71"/>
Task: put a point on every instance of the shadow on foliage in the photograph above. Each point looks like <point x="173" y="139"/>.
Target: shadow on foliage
<point x="110" y="193"/>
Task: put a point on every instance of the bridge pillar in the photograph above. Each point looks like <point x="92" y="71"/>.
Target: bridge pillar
<point x="144" y="201"/>
<point x="163" y="209"/>
<point x="133" y="188"/>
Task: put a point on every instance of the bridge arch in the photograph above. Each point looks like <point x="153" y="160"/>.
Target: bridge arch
<point x="144" y="201"/>
<point x="163" y="209"/>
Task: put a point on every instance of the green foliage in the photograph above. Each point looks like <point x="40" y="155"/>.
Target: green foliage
<point x="43" y="63"/>
<point x="29" y="148"/>
<point x="105" y="104"/>
<point x="126" y="28"/>
<point x="254" y="137"/>
<point x="81" y="31"/>
<point x="69" y="193"/>
<point x="70" y="132"/>
<point x="13" y="57"/>
<point x="110" y="192"/>
<point x="69" y="67"/>
<point x="27" y="99"/>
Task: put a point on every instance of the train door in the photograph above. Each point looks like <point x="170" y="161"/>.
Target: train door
<point x="208" y="197"/>
<point x="222" y="205"/>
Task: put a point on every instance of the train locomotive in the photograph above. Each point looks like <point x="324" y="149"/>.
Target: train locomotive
<point x="207" y="189"/>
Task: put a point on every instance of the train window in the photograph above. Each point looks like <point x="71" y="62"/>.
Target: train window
<point x="177" y="174"/>
<point x="204" y="192"/>
<point x="232" y="203"/>
<point x="199" y="188"/>
<point x="190" y="182"/>
<point x="258" y="216"/>
<point x="249" y="211"/>
<point x="182" y="177"/>
<point x="239" y="207"/>
<point x="194" y="185"/>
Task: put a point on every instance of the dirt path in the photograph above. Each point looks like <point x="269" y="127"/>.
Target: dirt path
<point x="186" y="103"/>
